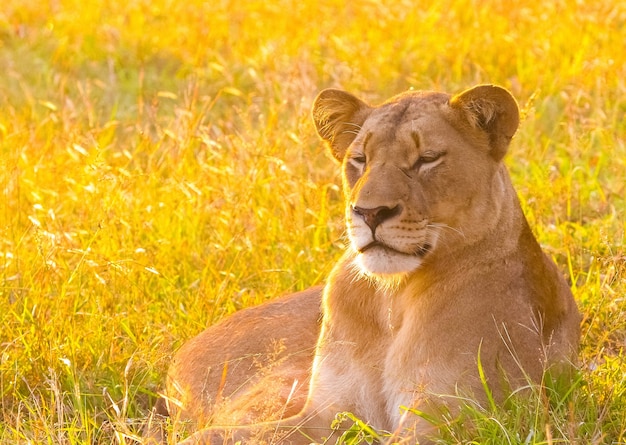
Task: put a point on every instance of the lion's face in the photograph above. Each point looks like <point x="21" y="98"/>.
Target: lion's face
<point x="419" y="171"/>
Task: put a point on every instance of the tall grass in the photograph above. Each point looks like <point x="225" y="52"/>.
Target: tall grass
<point x="159" y="171"/>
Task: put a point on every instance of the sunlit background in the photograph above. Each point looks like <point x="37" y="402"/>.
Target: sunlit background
<point x="159" y="170"/>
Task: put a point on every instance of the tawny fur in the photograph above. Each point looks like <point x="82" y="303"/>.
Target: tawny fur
<point x="442" y="273"/>
<point x="253" y="366"/>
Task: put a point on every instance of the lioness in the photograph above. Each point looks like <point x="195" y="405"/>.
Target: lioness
<point x="442" y="280"/>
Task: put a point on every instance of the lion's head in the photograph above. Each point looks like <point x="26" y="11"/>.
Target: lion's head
<point x="420" y="172"/>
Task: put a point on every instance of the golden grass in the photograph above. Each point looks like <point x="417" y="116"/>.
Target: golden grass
<point x="159" y="170"/>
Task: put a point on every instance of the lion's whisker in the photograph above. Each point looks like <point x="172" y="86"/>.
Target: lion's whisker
<point x="447" y="227"/>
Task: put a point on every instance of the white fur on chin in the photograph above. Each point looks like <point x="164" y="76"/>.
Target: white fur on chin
<point x="386" y="268"/>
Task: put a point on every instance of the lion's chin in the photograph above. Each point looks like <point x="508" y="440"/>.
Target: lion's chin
<point x="379" y="261"/>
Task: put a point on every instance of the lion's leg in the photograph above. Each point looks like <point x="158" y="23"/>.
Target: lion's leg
<point x="301" y="429"/>
<point x="413" y="429"/>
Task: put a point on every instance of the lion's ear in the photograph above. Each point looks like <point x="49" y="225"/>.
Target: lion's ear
<point x="493" y="110"/>
<point x="338" y="117"/>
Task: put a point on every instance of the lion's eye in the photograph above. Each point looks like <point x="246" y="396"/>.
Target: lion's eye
<point x="358" y="160"/>
<point x="428" y="159"/>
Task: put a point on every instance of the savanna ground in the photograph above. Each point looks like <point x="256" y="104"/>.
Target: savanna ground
<point x="159" y="171"/>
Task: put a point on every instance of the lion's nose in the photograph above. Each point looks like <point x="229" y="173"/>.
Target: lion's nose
<point x="374" y="217"/>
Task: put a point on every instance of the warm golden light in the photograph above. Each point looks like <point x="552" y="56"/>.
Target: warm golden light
<point x="158" y="170"/>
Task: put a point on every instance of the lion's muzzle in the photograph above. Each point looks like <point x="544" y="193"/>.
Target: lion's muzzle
<point x="387" y="240"/>
<point x="375" y="216"/>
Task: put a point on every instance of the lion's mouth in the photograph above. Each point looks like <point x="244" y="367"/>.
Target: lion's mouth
<point x="420" y="251"/>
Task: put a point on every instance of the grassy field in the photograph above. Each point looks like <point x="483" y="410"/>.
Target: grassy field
<point x="159" y="170"/>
